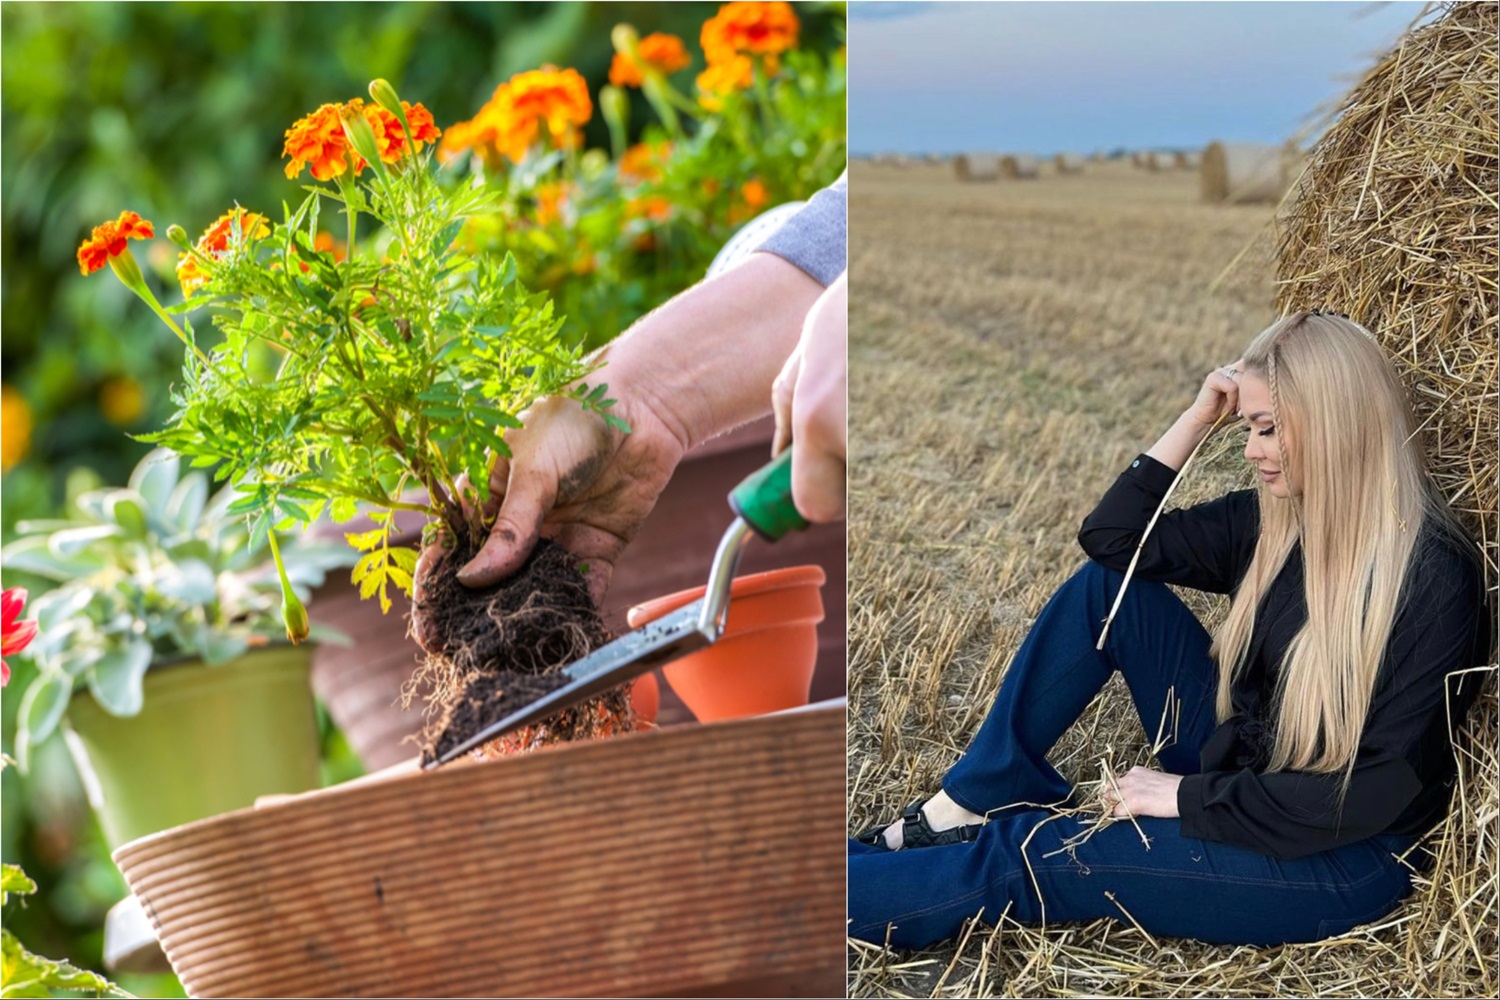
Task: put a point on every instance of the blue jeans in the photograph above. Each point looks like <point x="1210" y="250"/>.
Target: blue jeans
<point x="1025" y="864"/>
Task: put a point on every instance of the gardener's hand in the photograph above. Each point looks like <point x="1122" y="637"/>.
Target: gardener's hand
<point x="574" y="480"/>
<point x="1142" y="792"/>
<point x="811" y="398"/>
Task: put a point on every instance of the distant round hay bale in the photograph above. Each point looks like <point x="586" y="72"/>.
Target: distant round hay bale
<point x="1241" y="172"/>
<point x="1185" y="160"/>
<point x="976" y="166"/>
<point x="1020" y="167"/>
<point x="1068" y="163"/>
<point x="1161" y="159"/>
<point x="1394" y="222"/>
<point x="1138" y="159"/>
<point x="933" y="159"/>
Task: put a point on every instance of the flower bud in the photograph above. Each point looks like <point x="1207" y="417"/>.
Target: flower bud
<point x="294" y="616"/>
<point x="614" y="105"/>
<point x="625" y="39"/>
<point x="178" y="235"/>
<point x="361" y="137"/>
<point x="385" y="96"/>
<point x="129" y="272"/>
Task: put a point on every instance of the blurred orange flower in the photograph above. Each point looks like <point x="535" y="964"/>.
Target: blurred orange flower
<point x="643" y="161"/>
<point x="722" y="78"/>
<point x="755" y="29"/>
<point x="108" y="240"/>
<point x="122" y="401"/>
<point x="550" y="196"/>
<point x="662" y="52"/>
<point x="215" y="243"/>
<point x="318" y="139"/>
<point x="15" y="428"/>
<point x="521" y="108"/>
<point x="753" y="197"/>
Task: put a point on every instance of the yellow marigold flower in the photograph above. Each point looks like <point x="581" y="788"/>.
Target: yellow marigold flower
<point x="541" y="103"/>
<point x="15" y="428"/>
<point x="662" y="52"/>
<point x="122" y="401"/>
<point x="722" y="78"/>
<point x="109" y="240"/>
<point x="643" y="161"/>
<point x="754" y="29"/>
<point x="214" y="243"/>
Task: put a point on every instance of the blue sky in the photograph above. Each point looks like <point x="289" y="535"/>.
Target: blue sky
<point x="1049" y="76"/>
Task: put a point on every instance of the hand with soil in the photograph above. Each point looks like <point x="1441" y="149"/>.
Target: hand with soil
<point x="699" y="366"/>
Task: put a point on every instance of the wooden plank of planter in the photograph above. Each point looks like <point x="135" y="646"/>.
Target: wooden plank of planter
<point x="691" y="861"/>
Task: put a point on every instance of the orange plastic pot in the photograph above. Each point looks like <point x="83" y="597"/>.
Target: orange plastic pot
<point x="645" y="700"/>
<point x="764" y="660"/>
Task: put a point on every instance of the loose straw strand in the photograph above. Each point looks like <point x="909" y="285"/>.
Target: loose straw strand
<point x="1136" y="558"/>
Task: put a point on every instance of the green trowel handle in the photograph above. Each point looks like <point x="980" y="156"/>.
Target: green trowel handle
<point x="764" y="499"/>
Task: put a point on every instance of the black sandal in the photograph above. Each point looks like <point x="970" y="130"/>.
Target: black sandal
<point x="916" y="832"/>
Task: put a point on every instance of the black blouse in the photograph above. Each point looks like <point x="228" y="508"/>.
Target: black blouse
<point x="1404" y="768"/>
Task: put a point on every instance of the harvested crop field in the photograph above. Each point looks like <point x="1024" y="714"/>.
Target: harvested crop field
<point x="1013" y="345"/>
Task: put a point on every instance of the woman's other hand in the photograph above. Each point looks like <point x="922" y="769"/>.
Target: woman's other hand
<point x="1142" y="792"/>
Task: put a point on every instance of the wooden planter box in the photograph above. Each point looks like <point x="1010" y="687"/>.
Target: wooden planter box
<point x="359" y="684"/>
<point x="700" y="860"/>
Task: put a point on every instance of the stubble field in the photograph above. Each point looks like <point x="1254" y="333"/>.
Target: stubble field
<point x="1013" y="345"/>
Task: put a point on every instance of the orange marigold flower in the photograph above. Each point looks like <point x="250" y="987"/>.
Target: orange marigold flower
<point x="538" y="103"/>
<point x="317" y="140"/>
<point x="392" y="137"/>
<point x="756" y="29"/>
<point x="662" y="52"/>
<point x="643" y="161"/>
<point x="214" y="243"/>
<point x="722" y="78"/>
<point x="108" y="240"/>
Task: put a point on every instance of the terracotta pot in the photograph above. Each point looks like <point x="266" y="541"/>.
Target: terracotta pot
<point x="764" y="660"/>
<point x="389" y="888"/>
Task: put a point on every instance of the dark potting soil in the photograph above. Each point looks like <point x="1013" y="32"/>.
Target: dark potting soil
<point x="501" y="647"/>
<point x="486" y="699"/>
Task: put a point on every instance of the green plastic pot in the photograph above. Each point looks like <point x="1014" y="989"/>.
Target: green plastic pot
<point x="208" y="740"/>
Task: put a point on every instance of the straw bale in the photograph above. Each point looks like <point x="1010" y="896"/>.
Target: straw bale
<point x="976" y="166"/>
<point x="1241" y="172"/>
<point x="1161" y="159"/>
<point x="1186" y="160"/>
<point x="1068" y="163"/>
<point x="1020" y="167"/>
<point x="1394" y="222"/>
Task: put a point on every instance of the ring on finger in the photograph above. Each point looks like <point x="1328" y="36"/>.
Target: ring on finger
<point x="1229" y="372"/>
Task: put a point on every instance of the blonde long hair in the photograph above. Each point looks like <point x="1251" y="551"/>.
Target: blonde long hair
<point x="1345" y="432"/>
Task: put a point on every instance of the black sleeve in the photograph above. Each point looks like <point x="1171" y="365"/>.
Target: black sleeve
<point x="1290" y="814"/>
<point x="1206" y="547"/>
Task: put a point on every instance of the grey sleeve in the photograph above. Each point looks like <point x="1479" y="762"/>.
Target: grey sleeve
<point x="816" y="239"/>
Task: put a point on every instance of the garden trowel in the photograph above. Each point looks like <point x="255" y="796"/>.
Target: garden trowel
<point x="762" y="505"/>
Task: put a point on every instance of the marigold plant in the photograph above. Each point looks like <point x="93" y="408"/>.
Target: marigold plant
<point x="765" y="125"/>
<point x="347" y="382"/>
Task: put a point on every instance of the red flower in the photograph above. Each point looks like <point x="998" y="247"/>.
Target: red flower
<point x="14" y="636"/>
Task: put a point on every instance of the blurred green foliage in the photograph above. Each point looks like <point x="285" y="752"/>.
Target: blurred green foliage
<point x="178" y="111"/>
